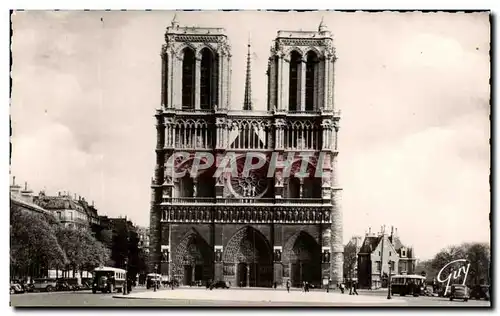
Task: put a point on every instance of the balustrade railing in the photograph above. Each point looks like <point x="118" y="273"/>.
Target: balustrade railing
<point x="209" y="200"/>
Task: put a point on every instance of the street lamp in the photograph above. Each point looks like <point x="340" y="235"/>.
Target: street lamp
<point x="125" y="288"/>
<point x="156" y="273"/>
<point x="389" y="282"/>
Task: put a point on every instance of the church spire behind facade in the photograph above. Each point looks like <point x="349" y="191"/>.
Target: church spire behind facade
<point x="247" y="105"/>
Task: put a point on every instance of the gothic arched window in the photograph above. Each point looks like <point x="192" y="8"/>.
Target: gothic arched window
<point x="208" y="85"/>
<point x="188" y="68"/>
<point x="311" y="72"/>
<point x="293" y="96"/>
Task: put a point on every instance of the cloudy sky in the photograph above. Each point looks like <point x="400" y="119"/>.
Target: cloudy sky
<point x="413" y="89"/>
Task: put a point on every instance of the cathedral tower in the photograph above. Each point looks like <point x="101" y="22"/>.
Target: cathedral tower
<point x="300" y="94"/>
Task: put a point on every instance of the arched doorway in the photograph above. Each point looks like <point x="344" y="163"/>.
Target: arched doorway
<point x="193" y="260"/>
<point x="250" y="254"/>
<point x="303" y="256"/>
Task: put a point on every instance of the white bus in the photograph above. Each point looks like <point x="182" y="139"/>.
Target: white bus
<point x="108" y="279"/>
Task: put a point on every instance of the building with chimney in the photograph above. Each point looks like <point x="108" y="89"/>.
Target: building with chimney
<point x="23" y="199"/>
<point x="71" y="211"/>
<point x="380" y="254"/>
<point x="258" y="229"/>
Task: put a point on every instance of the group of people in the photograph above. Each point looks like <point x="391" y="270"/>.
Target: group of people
<point x="352" y="285"/>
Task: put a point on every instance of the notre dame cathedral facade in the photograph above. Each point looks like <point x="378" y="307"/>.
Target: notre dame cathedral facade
<point x="257" y="229"/>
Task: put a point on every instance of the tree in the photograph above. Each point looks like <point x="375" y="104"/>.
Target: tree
<point x="34" y="245"/>
<point x="350" y="259"/>
<point x="477" y="255"/>
<point x="83" y="251"/>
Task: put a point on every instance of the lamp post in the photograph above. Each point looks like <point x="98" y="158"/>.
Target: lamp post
<point x="125" y="287"/>
<point x="156" y="272"/>
<point x="389" y="282"/>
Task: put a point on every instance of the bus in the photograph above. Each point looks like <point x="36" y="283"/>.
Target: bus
<point x="108" y="280"/>
<point x="153" y="278"/>
<point x="407" y="285"/>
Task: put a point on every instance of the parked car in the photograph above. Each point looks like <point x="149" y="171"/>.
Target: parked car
<point x="219" y="285"/>
<point x="62" y="285"/>
<point x="480" y="291"/>
<point x="459" y="291"/>
<point x="47" y="285"/>
<point x="16" y="288"/>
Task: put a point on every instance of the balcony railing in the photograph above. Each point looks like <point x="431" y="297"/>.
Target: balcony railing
<point x="212" y="200"/>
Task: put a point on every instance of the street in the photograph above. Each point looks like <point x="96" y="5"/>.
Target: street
<point x="86" y="298"/>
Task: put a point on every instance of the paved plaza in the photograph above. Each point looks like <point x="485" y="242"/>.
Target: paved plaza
<point x="262" y="296"/>
<point x="236" y="297"/>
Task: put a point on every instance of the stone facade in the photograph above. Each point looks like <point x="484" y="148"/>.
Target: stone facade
<point x="381" y="253"/>
<point x="255" y="229"/>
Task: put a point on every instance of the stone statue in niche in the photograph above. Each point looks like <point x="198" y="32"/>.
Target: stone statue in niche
<point x="207" y="216"/>
<point x="260" y="216"/>
<point x="219" y="215"/>
<point x="202" y="215"/>
<point x="301" y="216"/>
<point x="225" y="216"/>
<point x="313" y="215"/>
<point x="218" y="255"/>
<point x="190" y="215"/>
<point x="249" y="215"/>
<point x="325" y="216"/>
<point x="165" y="255"/>
<point x="184" y="215"/>
<point x="277" y="255"/>
<point x="296" y="215"/>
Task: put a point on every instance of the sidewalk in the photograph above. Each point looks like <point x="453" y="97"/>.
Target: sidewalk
<point x="264" y="296"/>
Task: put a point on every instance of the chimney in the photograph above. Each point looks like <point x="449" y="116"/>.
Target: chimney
<point x="26" y="194"/>
<point x="59" y="193"/>
<point x="14" y="189"/>
<point x="92" y="203"/>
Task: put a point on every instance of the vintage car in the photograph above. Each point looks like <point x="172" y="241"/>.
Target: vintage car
<point x="16" y="288"/>
<point x="219" y="285"/>
<point x="45" y="284"/>
<point x="459" y="291"/>
<point x="480" y="291"/>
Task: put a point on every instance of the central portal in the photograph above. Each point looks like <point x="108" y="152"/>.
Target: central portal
<point x="250" y="253"/>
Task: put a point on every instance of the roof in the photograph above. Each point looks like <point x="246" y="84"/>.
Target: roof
<point x="32" y="206"/>
<point x="109" y="269"/>
<point x="58" y="203"/>
<point x="396" y="242"/>
<point x="413" y="276"/>
<point x="370" y="243"/>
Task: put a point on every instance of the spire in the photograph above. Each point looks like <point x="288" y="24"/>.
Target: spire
<point x="247" y="105"/>
<point x="322" y="26"/>
<point x="174" y="22"/>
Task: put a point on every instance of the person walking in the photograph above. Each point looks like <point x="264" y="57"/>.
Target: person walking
<point x="288" y="286"/>
<point x="354" y="288"/>
<point x="342" y="286"/>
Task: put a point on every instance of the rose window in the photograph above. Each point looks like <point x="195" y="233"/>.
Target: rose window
<point x="252" y="184"/>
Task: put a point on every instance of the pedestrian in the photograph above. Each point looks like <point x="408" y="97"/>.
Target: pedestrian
<point x="288" y="286"/>
<point x="354" y="287"/>
<point x="342" y="288"/>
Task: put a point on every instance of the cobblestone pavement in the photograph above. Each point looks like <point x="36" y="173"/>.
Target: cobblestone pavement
<point x="232" y="297"/>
